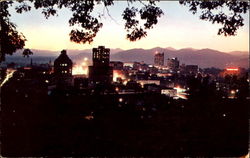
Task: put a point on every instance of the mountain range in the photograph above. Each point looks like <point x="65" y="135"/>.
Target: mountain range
<point x="201" y="57"/>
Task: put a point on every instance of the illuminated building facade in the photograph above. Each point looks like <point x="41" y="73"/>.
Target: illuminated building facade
<point x="169" y="92"/>
<point x="63" y="65"/>
<point x="101" y="71"/>
<point x="159" y="59"/>
<point x="63" y="70"/>
<point x="101" y="56"/>
<point x="173" y="63"/>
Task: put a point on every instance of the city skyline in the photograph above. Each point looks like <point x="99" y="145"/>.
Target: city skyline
<point x="172" y="30"/>
<point x="129" y="105"/>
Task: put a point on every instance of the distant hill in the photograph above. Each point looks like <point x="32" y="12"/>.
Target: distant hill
<point x="242" y="54"/>
<point x="70" y="52"/>
<point x="202" y="57"/>
<point x="46" y="53"/>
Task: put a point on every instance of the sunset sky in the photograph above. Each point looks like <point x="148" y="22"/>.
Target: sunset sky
<point x="177" y="28"/>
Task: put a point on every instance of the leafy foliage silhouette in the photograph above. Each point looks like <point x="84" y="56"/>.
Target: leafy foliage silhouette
<point x="27" y="53"/>
<point x="212" y="11"/>
<point x="10" y="38"/>
<point x="86" y="25"/>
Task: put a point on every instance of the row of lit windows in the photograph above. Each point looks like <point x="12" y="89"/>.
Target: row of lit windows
<point x="101" y="51"/>
<point x="98" y="55"/>
<point x="101" y="57"/>
<point x="63" y="64"/>
<point x="64" y="72"/>
<point x="101" y="54"/>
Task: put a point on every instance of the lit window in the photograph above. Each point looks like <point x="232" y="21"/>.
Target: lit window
<point x="120" y="100"/>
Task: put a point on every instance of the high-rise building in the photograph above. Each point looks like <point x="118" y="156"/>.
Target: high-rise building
<point x="101" y="56"/>
<point x="173" y="63"/>
<point x="159" y="59"/>
<point x="63" y="70"/>
<point x="101" y="72"/>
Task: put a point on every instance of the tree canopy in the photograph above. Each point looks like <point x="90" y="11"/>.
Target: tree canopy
<point x="27" y="53"/>
<point x="10" y="38"/>
<point x="85" y="25"/>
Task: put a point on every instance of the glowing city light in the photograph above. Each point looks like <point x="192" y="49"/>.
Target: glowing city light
<point x="118" y="74"/>
<point x="116" y="89"/>
<point x="232" y="69"/>
<point x="10" y="73"/>
<point x="80" y="69"/>
<point x="232" y="91"/>
<point x="89" y="117"/>
<point x="84" y="64"/>
<point x="181" y="92"/>
<point x="125" y="82"/>
<point x="120" y="100"/>
<point x="179" y="89"/>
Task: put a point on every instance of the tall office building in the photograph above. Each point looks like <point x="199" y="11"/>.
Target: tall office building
<point x="159" y="59"/>
<point x="173" y="63"/>
<point x="101" y="56"/>
<point x="101" y="72"/>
